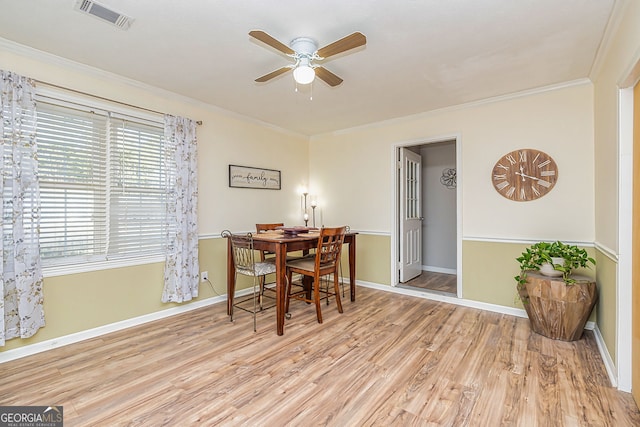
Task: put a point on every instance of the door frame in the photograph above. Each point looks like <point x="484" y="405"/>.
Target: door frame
<point x="625" y="221"/>
<point x="395" y="195"/>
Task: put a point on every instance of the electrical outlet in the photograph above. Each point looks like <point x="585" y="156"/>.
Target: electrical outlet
<point x="204" y="276"/>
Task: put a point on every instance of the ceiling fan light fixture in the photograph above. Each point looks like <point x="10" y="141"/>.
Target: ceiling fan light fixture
<point x="304" y="74"/>
<point x="304" y="50"/>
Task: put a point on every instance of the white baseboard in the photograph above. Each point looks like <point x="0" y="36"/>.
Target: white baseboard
<point x="446" y="298"/>
<point x="439" y="269"/>
<point x="609" y="365"/>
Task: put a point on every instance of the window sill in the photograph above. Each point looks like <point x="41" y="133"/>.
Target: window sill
<point x="63" y="270"/>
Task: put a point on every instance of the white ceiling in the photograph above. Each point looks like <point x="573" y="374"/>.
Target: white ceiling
<point x="420" y="55"/>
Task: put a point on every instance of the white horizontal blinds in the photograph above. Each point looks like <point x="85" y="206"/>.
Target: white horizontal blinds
<point x="72" y="154"/>
<point x="101" y="185"/>
<point x="137" y="200"/>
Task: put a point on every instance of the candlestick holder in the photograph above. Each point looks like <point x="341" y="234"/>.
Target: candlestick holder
<point x="314" y="205"/>
<point x="313" y="209"/>
<point x="305" y="215"/>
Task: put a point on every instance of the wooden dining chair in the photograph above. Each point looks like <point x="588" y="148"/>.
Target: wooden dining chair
<point x="261" y="228"/>
<point x="267" y="256"/>
<point x="270" y="256"/>
<point x="326" y="261"/>
<point x="244" y="260"/>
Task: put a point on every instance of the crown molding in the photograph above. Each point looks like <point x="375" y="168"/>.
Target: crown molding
<point x="464" y="106"/>
<point x="613" y="24"/>
<point x="97" y="73"/>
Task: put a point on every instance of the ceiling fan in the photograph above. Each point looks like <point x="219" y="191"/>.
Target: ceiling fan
<point x="305" y="51"/>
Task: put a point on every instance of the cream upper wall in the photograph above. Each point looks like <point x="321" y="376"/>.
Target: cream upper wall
<point x="355" y="166"/>
<point x="223" y="139"/>
<point x="239" y="209"/>
<point x="351" y="171"/>
<point x="622" y="53"/>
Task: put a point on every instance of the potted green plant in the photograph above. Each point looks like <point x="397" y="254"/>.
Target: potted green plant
<point x="552" y="257"/>
<point x="558" y="307"/>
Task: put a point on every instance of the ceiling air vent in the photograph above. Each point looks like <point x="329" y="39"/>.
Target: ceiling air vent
<point x="102" y="12"/>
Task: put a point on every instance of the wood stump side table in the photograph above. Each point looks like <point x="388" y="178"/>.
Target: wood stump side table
<point x="557" y="310"/>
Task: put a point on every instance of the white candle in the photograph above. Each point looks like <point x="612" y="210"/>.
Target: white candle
<point x="306" y="217"/>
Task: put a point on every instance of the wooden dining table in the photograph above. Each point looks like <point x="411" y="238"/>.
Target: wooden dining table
<point x="280" y="244"/>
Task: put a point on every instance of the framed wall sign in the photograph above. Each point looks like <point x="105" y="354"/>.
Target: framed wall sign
<point x="249" y="177"/>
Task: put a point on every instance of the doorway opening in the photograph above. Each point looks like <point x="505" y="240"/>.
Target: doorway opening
<point x="426" y="243"/>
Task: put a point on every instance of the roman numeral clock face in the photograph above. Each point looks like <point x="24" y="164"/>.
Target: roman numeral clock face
<point x="524" y="175"/>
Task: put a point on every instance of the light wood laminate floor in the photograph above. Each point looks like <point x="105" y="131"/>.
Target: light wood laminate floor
<point x="389" y="360"/>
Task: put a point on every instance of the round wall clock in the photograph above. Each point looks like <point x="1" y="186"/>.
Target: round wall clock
<point x="524" y="175"/>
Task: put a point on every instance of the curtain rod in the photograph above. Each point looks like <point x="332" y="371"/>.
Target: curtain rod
<point x="198" y="122"/>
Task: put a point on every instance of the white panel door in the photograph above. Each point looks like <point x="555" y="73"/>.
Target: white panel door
<point x="410" y="215"/>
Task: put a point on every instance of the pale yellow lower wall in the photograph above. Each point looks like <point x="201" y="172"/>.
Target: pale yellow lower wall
<point x="213" y="259"/>
<point x="373" y="259"/>
<point x="607" y="307"/>
<point x="79" y="302"/>
<point x="489" y="268"/>
<point x="488" y="271"/>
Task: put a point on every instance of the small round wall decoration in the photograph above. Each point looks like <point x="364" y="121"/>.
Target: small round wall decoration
<point x="448" y="178"/>
<point x="524" y="175"/>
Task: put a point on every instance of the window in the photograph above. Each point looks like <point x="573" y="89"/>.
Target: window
<point x="102" y="185"/>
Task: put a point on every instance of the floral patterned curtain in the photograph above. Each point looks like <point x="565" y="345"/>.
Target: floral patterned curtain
<point x="21" y="298"/>
<point x="181" y="271"/>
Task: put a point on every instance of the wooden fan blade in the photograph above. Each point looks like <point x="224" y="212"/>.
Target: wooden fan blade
<point x="266" y="38"/>
<point x="349" y="42"/>
<point x="273" y="74"/>
<point x="327" y="76"/>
